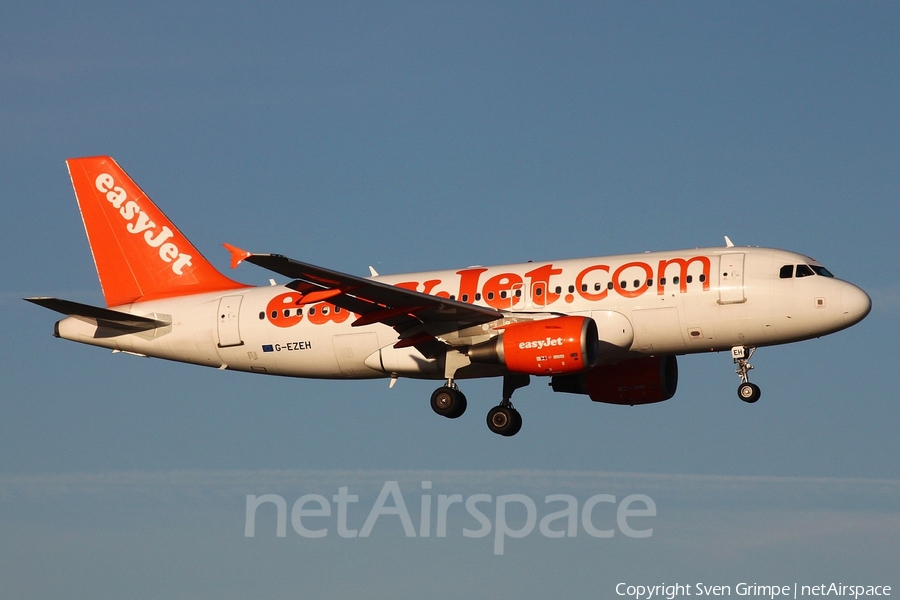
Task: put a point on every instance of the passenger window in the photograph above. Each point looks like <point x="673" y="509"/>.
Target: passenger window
<point x="610" y="285"/>
<point x="274" y="314"/>
<point x="786" y="272"/>
<point x="571" y="289"/>
<point x="623" y="284"/>
<point x="804" y="271"/>
<point x="649" y="282"/>
<point x="675" y="280"/>
<point x="262" y="316"/>
<point x="702" y="277"/>
<point x="662" y="281"/>
<point x="690" y="278"/>
<point x="637" y="283"/>
<point x="465" y="297"/>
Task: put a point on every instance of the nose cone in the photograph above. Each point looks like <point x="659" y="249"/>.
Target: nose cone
<point x="855" y="303"/>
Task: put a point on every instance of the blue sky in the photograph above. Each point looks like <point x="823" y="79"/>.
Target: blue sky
<point x="416" y="136"/>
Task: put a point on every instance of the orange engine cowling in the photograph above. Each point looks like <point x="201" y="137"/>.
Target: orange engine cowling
<point x="633" y="381"/>
<point x="546" y="347"/>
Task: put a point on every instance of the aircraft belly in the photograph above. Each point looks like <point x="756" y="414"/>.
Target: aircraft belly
<point x="746" y="331"/>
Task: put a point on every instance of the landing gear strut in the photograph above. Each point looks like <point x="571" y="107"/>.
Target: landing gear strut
<point x="748" y="392"/>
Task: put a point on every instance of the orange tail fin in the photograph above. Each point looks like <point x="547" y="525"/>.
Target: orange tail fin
<point x="138" y="252"/>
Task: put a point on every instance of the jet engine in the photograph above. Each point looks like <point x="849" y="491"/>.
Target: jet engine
<point x="545" y="347"/>
<point x="633" y="381"/>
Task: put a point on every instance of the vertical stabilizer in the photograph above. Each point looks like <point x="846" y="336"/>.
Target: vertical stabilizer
<point x="138" y="252"/>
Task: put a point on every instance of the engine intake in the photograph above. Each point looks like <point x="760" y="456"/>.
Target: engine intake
<point x="546" y="347"/>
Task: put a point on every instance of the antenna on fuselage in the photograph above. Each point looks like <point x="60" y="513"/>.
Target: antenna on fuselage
<point x="728" y="242"/>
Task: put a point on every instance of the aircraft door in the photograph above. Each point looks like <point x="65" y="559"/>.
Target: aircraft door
<point x="731" y="278"/>
<point x="228" y="325"/>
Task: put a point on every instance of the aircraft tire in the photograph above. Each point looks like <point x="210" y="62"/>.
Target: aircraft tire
<point x="517" y="423"/>
<point x="448" y="402"/>
<point x="749" y="392"/>
<point x="504" y="421"/>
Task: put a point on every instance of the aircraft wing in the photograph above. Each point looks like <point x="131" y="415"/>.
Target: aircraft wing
<point x="416" y="316"/>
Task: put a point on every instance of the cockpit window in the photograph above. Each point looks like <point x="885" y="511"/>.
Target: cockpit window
<point x="821" y="271"/>
<point x="787" y="271"/>
<point x="804" y="271"/>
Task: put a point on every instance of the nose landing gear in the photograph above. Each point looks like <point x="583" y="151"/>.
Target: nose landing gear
<point x="748" y="392"/>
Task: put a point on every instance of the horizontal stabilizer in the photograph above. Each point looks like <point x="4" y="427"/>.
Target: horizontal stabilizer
<point x="99" y="316"/>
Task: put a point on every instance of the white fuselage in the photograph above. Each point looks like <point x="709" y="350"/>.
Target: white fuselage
<point x="657" y="303"/>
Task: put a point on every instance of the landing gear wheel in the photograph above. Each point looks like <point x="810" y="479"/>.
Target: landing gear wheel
<point x="749" y="392"/>
<point x="448" y="402"/>
<point x="505" y="421"/>
<point x="517" y="423"/>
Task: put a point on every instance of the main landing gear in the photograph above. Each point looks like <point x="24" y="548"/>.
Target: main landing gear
<point x="448" y="401"/>
<point x="748" y="392"/>
<point x="502" y="419"/>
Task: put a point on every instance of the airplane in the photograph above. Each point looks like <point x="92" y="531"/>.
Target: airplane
<point x="606" y="327"/>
